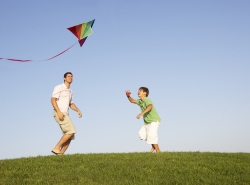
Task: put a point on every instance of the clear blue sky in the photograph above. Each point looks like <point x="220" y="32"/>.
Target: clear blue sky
<point x="194" y="56"/>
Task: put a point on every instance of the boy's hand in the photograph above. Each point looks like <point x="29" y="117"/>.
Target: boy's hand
<point x="128" y="92"/>
<point x="139" y="115"/>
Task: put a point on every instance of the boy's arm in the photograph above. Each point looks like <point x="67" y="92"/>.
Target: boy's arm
<point x="149" y="107"/>
<point x="129" y="98"/>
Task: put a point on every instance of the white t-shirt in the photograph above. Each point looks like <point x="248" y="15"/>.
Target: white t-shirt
<point x="64" y="97"/>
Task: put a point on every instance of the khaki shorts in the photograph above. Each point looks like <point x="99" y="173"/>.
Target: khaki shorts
<point x="66" y="125"/>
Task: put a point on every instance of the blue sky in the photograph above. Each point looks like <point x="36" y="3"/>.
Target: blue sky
<point x="192" y="55"/>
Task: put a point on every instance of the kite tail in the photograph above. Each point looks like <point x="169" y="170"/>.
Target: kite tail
<point x="18" y="60"/>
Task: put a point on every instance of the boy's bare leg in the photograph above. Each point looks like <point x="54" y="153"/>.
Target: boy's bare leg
<point x="65" y="146"/>
<point x="152" y="149"/>
<point x="63" y="140"/>
<point x="156" y="147"/>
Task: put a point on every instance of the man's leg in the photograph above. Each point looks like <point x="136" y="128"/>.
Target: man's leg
<point x="65" y="146"/>
<point x="63" y="140"/>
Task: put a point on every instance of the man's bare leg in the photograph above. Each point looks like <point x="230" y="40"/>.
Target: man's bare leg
<point x="156" y="147"/>
<point x="152" y="149"/>
<point x="63" y="140"/>
<point x="65" y="146"/>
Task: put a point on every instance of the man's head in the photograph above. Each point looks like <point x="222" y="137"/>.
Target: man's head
<point x="68" y="77"/>
<point x="143" y="92"/>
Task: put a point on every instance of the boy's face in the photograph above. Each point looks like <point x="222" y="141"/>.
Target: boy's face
<point x="141" y="93"/>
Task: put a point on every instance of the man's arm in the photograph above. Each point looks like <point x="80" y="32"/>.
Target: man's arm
<point x="73" y="107"/>
<point x="55" y="106"/>
<point x="149" y="107"/>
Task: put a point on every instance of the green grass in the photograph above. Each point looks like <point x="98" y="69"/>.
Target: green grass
<point x="129" y="168"/>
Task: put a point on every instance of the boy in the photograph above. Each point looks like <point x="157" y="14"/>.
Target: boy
<point x="148" y="132"/>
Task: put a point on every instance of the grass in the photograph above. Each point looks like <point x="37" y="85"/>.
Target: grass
<point x="129" y="168"/>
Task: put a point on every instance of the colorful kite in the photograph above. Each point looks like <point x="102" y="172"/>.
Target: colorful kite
<point x="81" y="31"/>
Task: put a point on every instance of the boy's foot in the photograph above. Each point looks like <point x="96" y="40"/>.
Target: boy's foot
<point x="152" y="150"/>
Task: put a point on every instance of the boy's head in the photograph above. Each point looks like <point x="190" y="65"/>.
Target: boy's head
<point x="143" y="92"/>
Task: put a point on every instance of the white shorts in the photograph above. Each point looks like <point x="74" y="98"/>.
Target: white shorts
<point x="149" y="132"/>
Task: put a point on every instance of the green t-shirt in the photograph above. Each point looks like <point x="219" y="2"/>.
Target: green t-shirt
<point x="152" y="115"/>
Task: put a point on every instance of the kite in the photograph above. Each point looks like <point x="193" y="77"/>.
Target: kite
<point x="81" y="31"/>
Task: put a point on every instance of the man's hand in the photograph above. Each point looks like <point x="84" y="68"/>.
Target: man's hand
<point x="139" y="115"/>
<point x="60" y="116"/>
<point x="79" y="113"/>
<point x="73" y="107"/>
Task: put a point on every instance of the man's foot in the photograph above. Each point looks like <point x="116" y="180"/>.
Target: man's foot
<point x="56" y="152"/>
<point x="152" y="150"/>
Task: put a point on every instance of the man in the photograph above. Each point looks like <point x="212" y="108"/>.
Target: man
<point x="61" y="101"/>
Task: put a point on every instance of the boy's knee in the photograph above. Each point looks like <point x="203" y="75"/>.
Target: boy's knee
<point x="142" y="136"/>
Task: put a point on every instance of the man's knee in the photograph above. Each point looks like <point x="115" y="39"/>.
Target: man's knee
<point x="70" y="135"/>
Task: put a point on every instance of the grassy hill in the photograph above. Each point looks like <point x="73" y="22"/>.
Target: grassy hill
<point x="129" y="168"/>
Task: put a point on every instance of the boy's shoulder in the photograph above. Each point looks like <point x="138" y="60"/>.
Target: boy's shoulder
<point x="147" y="99"/>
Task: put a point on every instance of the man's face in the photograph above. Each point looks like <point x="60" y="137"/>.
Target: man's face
<point x="69" y="78"/>
<point x="141" y="93"/>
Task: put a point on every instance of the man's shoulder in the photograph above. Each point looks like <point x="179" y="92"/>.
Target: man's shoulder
<point x="60" y="86"/>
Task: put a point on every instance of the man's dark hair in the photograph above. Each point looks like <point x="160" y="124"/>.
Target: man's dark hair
<point x="145" y="89"/>
<point x="65" y="75"/>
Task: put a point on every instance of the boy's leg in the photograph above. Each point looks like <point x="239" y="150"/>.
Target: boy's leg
<point x="152" y="136"/>
<point x="156" y="146"/>
<point x="62" y="141"/>
<point x="152" y="149"/>
<point x="143" y="133"/>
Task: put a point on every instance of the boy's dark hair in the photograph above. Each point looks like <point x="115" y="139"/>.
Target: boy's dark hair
<point x="145" y="89"/>
<point x="65" y="75"/>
